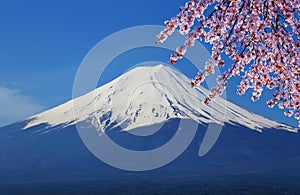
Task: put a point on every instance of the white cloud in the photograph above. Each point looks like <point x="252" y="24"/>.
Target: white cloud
<point x="15" y="106"/>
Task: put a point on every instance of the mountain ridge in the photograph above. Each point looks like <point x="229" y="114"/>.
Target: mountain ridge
<point x="148" y="95"/>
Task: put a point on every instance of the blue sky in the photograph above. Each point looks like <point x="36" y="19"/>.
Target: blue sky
<point x="44" y="42"/>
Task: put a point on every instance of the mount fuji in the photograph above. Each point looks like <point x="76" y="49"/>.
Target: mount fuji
<point x="46" y="150"/>
<point x="145" y="96"/>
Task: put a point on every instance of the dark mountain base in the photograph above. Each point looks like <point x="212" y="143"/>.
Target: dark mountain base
<point x="242" y="184"/>
<point x="242" y="161"/>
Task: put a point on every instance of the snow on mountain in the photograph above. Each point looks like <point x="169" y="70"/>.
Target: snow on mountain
<point x="150" y="95"/>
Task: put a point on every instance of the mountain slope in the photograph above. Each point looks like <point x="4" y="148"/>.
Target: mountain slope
<point x="149" y="95"/>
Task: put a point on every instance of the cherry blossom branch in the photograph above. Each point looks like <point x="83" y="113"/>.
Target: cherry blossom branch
<point x="262" y="35"/>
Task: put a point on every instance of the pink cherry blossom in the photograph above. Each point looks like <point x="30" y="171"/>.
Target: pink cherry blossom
<point x="261" y="37"/>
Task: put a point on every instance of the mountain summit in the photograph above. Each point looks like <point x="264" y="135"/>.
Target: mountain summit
<point x="149" y="95"/>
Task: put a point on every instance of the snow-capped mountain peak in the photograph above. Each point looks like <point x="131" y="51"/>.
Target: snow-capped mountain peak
<point x="149" y="95"/>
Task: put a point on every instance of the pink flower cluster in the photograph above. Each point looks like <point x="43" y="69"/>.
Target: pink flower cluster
<point x="261" y="37"/>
